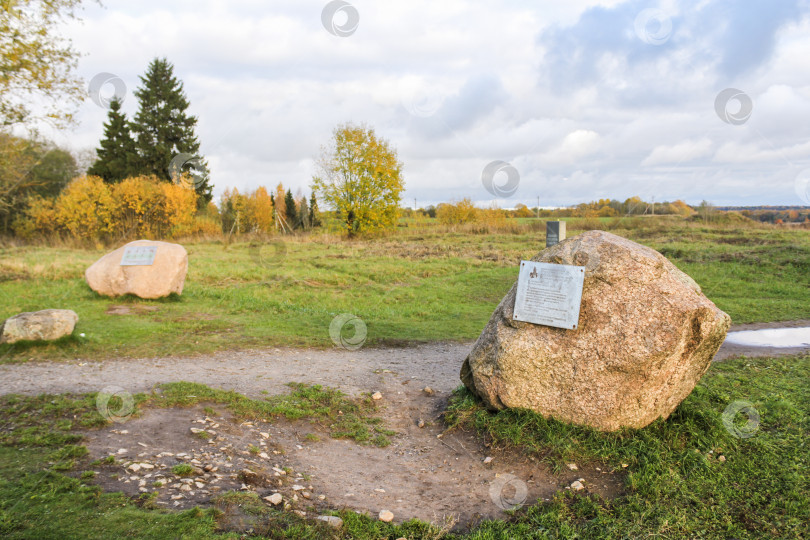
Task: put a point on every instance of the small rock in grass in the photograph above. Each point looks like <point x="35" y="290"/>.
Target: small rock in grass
<point x="376" y="396"/>
<point x="196" y="430"/>
<point x="420" y="423"/>
<point x="577" y="485"/>
<point x="274" y="499"/>
<point x="573" y="466"/>
<point x="488" y="460"/>
<point x="333" y="521"/>
<point x="721" y="459"/>
<point x="306" y="494"/>
<point x="386" y="516"/>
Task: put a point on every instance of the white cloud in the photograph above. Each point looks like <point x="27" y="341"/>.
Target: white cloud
<point x="683" y="152"/>
<point x="454" y="85"/>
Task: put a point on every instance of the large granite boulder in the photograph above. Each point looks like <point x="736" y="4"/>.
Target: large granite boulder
<point x="44" y="325"/>
<point x="646" y="335"/>
<point x="164" y="276"/>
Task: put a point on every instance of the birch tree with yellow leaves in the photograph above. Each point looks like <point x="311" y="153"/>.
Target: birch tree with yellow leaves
<point x="360" y="177"/>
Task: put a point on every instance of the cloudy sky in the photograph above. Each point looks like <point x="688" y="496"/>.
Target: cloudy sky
<point x="579" y="100"/>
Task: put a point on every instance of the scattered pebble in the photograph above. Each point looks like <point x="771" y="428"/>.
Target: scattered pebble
<point x="488" y="460"/>
<point x="721" y="459"/>
<point x="428" y="391"/>
<point x="577" y="485"/>
<point x="386" y="516"/>
<point x="420" y="423"/>
<point x="376" y="396"/>
<point x="274" y="499"/>
<point x="573" y="466"/>
<point x="334" y="521"/>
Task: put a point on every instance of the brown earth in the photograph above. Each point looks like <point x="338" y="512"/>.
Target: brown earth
<point x="425" y="473"/>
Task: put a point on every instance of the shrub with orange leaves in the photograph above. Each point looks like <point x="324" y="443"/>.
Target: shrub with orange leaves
<point x="140" y="207"/>
<point x="86" y="209"/>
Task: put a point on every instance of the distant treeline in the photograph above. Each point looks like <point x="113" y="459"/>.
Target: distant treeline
<point x="778" y="216"/>
<point x="634" y="206"/>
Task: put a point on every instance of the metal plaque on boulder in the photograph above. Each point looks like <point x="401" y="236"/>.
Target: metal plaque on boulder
<point x="549" y="294"/>
<point x="139" y="256"/>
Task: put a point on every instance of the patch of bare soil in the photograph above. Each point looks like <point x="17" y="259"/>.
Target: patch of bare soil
<point x="133" y="309"/>
<point x="425" y="473"/>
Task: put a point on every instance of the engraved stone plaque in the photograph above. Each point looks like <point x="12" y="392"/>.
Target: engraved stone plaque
<point x="549" y="294"/>
<point x="555" y="232"/>
<point x="139" y="256"/>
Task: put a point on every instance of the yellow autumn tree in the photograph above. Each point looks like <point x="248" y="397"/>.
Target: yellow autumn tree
<point x="86" y="208"/>
<point x="464" y="211"/>
<point x="262" y="208"/>
<point x="360" y="177"/>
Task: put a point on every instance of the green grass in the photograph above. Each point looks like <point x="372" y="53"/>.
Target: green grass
<point x="676" y="485"/>
<point x="183" y="469"/>
<point x="342" y="416"/>
<point x="415" y="285"/>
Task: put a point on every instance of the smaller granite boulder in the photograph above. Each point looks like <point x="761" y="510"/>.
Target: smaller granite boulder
<point x="44" y="325"/>
<point x="166" y="274"/>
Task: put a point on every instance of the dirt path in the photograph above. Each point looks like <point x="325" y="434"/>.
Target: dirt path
<point x="252" y="372"/>
<point x="420" y="475"/>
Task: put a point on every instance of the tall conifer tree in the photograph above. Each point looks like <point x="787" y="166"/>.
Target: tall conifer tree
<point x="164" y="130"/>
<point x="289" y="209"/>
<point x="116" y="158"/>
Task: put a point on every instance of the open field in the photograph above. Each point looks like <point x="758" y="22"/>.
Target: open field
<point x="423" y="283"/>
<point x="686" y="477"/>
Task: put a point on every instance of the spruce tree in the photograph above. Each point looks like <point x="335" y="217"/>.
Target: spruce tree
<point x="314" y="214"/>
<point x="290" y="210"/>
<point x="163" y="129"/>
<point x="116" y="157"/>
